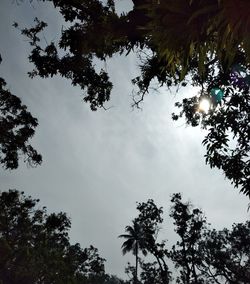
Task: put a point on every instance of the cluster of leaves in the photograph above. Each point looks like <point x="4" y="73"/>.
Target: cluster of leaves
<point x="189" y="225"/>
<point x="191" y="36"/>
<point x="79" y="44"/>
<point x="35" y="247"/>
<point x="200" y="255"/>
<point x="193" y="41"/>
<point x="17" y="126"/>
<point x="142" y="235"/>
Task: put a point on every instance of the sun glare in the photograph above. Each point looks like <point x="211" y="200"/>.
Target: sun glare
<point x="204" y="105"/>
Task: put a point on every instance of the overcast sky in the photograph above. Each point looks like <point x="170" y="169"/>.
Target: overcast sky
<point x="96" y="165"/>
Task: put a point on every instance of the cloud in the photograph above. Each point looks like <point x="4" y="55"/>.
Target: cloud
<point x="98" y="164"/>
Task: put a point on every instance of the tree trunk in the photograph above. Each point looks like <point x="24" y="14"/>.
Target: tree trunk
<point x="136" y="262"/>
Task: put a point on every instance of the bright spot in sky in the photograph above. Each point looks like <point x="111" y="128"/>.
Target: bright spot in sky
<point x="204" y="105"/>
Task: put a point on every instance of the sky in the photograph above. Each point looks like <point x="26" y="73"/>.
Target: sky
<point x="97" y="165"/>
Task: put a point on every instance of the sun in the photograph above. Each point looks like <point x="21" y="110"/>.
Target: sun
<point x="204" y="105"/>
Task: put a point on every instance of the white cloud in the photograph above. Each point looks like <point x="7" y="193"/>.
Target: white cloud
<point x="98" y="164"/>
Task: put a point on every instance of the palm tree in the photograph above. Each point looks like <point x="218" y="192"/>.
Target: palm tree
<point x="135" y="241"/>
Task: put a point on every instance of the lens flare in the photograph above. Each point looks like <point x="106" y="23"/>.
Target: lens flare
<point x="204" y="105"/>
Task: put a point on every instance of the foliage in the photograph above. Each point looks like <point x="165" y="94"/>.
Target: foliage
<point x="148" y="221"/>
<point x="135" y="241"/>
<point x="150" y="273"/>
<point x="17" y="126"/>
<point x="189" y="225"/>
<point x="230" y="248"/>
<point x="200" y="254"/>
<point x="35" y="247"/>
<point x="178" y="42"/>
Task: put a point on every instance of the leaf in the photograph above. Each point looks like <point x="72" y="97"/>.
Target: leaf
<point x="205" y="10"/>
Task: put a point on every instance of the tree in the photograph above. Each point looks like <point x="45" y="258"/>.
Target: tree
<point x="227" y="252"/>
<point x="135" y="241"/>
<point x="150" y="218"/>
<point x="206" y="255"/>
<point x="17" y="126"/>
<point x="35" y="247"/>
<point x="204" y="43"/>
<point x="189" y="225"/>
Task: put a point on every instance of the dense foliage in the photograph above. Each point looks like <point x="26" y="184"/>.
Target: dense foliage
<point x="35" y="247"/>
<point x="202" y="43"/>
<point x="17" y="126"/>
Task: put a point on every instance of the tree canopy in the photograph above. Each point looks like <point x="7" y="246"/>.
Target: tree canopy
<point x="17" y="126"/>
<point x="35" y="246"/>
<point x="202" y="43"/>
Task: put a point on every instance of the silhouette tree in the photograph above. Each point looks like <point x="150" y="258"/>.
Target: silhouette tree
<point x="35" y="247"/>
<point x="203" y="43"/>
<point x="189" y="225"/>
<point x="205" y="254"/>
<point x="17" y="126"/>
<point x="135" y="241"/>
<point x="150" y="218"/>
<point x="227" y="253"/>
